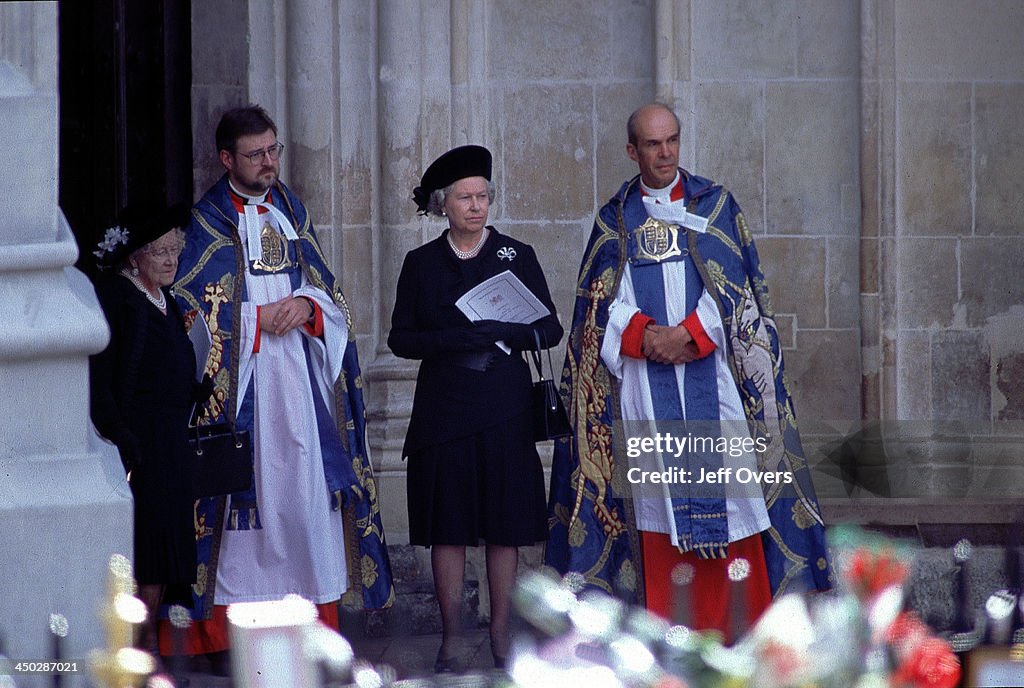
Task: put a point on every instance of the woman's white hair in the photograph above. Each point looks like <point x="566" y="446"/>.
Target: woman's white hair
<point x="179" y="238"/>
<point x="435" y="205"/>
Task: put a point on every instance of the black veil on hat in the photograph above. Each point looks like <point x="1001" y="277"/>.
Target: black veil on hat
<point x="456" y="164"/>
<point x="138" y="225"/>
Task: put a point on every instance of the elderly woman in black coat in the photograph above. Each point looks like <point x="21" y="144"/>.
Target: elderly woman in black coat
<point x="474" y="474"/>
<point x="142" y="390"/>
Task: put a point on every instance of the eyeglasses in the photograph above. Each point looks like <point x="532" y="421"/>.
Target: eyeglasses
<point x="161" y="253"/>
<point x="256" y="157"/>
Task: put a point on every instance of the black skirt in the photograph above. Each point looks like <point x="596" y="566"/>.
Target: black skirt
<point x="488" y="487"/>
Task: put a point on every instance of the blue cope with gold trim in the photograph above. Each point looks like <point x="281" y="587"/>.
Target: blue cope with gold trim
<point x="210" y="282"/>
<point x="592" y="530"/>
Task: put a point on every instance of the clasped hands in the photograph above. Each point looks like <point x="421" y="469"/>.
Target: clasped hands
<point x="482" y="334"/>
<point x="665" y="344"/>
<point x="280" y="317"/>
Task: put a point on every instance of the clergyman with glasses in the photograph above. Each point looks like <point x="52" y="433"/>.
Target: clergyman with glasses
<point x="284" y="366"/>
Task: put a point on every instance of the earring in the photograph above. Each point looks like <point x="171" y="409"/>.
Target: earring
<point x="135" y="271"/>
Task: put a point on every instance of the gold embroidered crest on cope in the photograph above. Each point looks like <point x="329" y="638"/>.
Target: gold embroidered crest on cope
<point x="657" y="240"/>
<point x="275" y="253"/>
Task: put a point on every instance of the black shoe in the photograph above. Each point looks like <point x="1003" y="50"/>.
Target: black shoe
<point x="444" y="665"/>
<point x="499" y="660"/>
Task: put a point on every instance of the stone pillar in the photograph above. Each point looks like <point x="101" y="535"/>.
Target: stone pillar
<point x="312" y="109"/>
<point x="673" y="86"/>
<point x="355" y="247"/>
<point x="64" y="504"/>
<point x="470" y="102"/>
<point x="268" y="39"/>
<point x="413" y="127"/>
<point x="664" y="51"/>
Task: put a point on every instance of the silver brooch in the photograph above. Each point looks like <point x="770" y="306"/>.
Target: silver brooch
<point x="506" y="253"/>
<point x="111" y="239"/>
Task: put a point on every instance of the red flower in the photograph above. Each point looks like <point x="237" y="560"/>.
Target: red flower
<point x="869" y="572"/>
<point x="928" y="664"/>
<point x="906" y="633"/>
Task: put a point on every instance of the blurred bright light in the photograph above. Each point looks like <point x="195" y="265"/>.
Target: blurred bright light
<point x="290" y="611"/>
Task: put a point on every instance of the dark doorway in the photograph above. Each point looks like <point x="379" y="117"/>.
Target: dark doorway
<point x="125" y="110"/>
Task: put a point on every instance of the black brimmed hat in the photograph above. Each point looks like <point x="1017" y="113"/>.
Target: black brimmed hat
<point x="456" y="164"/>
<point x="138" y="225"/>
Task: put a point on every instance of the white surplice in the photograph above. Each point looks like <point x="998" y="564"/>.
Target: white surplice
<point x="745" y="506"/>
<point x="300" y="548"/>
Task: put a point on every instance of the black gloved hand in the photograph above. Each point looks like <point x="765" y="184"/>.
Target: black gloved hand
<point x="201" y="391"/>
<point x="463" y="339"/>
<point x="515" y="335"/>
<point x="493" y="330"/>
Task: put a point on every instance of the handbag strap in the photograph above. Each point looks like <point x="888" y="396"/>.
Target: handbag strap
<point x="197" y="434"/>
<point x="193" y="421"/>
<point x="229" y="418"/>
<point x="535" y="355"/>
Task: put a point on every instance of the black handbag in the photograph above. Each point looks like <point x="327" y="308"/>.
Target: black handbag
<point x="221" y="456"/>
<point x="550" y="421"/>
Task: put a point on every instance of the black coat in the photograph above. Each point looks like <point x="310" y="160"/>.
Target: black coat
<point x="141" y="393"/>
<point x="453" y="400"/>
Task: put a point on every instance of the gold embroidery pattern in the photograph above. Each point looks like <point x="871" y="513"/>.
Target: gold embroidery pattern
<point x="797" y="562"/>
<point x="577" y="533"/>
<point x="713" y="215"/>
<point x="656" y="240"/>
<point x="216" y="295"/>
<point x="627" y="575"/>
<point x="199" y="523"/>
<point x="364" y="473"/>
<point x="275" y="251"/>
<point x="743" y="229"/>
<point x="725" y="239"/>
<point x="369" y="568"/>
<point x="199" y="587"/>
<point x="594" y="439"/>
<point x="365" y="476"/>
<point x="219" y="241"/>
<point x="607" y="234"/>
<point x="802" y="517"/>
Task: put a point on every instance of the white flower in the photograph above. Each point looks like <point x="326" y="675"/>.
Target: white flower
<point x="111" y="239"/>
<point x="506" y="253"/>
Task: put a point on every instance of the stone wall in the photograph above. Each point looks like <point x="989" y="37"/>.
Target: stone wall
<point x="873" y="144"/>
<point x="941" y="303"/>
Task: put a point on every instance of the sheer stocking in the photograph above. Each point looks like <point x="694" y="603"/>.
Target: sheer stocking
<point x="448" y="563"/>
<point x="502" y="562"/>
<point x="150" y="594"/>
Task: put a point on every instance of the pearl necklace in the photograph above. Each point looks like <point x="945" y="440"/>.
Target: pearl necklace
<point x="471" y="253"/>
<point x="160" y="303"/>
